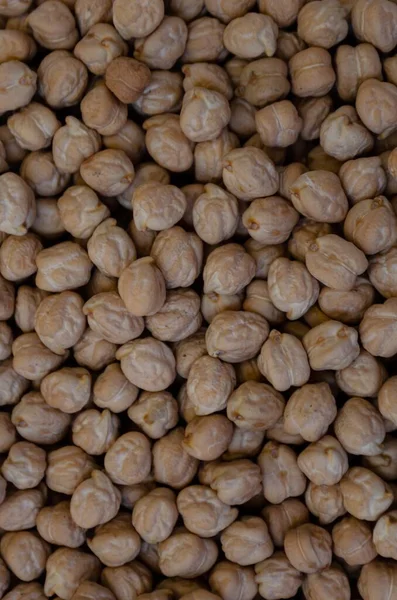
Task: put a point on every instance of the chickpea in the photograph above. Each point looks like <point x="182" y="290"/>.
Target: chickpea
<point x="66" y="568"/>
<point x="140" y="357"/>
<point x="184" y="554"/>
<point x="62" y="267"/>
<point x="68" y="389"/>
<point x="93" y="352"/>
<point x="304" y="82"/>
<point x="155" y="515"/>
<point x="281" y="272"/>
<point x="352" y="541"/>
<point x="94" y="501"/>
<point x="325" y="502"/>
<point x="204" y="41"/>
<point x="128" y="461"/>
<point x="88" y="590"/>
<point x="215" y="214"/>
<point x="19" y="509"/>
<point x="376" y="327"/>
<point x="313" y="112"/>
<point x="283" y="361"/>
<point x="383" y="464"/>
<point x="204" y="114"/>
<point x="62" y="79"/>
<point x="109" y="172"/>
<point x="94" y="431"/>
<point x="186" y="10"/>
<point x="255" y="406"/>
<point x="318" y="195"/>
<point x="363" y="377"/>
<point x="25" y="554"/>
<point x="89" y="13"/>
<point x="12" y="384"/>
<point x="235" y="482"/>
<point x="276" y="577"/>
<point x="99" y="46"/>
<point x="276" y="459"/>
<point x="375" y="22"/>
<point x="18" y="256"/>
<point x="167" y="144"/>
<point x="135" y="19"/>
<point x="363" y="177"/>
<point x="81" y="211"/>
<point x="323" y="24"/>
<point x="376" y="578"/>
<point x="247" y="541"/>
<point x="67" y="468"/>
<point x="179" y="255"/>
<point x="242" y="120"/>
<point x="13" y="151"/>
<point x="232" y="581"/>
<point x="258" y="31"/>
<point x="19" y="85"/>
<point x="8" y="435"/>
<point x="155" y="413"/>
<point x="28" y="591"/>
<point x="135" y="77"/>
<point x="381" y="271"/>
<point x="102" y="111"/>
<point x="127" y="581"/>
<point x="263" y="81"/>
<point x="376" y="101"/>
<point x="331" y="345"/>
<point x="173" y="465"/>
<point x="332" y="580"/>
<point x="48" y="222"/>
<point x="25" y="465"/>
<point x="347" y="307"/>
<point x="38" y="422"/>
<point x="365" y="495"/>
<point x="4" y="578"/>
<point x="258" y="300"/>
<point x="99" y="282"/>
<point x="142" y="287"/>
<point x="115" y="543"/>
<point x="353" y="66"/>
<point x="212" y="304"/>
<point x="157" y="206"/>
<point x="359" y="427"/>
<point x="113" y="391"/>
<point x="143" y="240"/>
<point x="383" y="537"/>
<point x="385" y="400"/>
<point x="35" y="366"/>
<point x="288" y="42"/>
<point x="343" y="136"/>
<point x="187" y="351"/>
<point x="110" y="248"/>
<point x="248" y="173"/>
<point x="207" y="75"/>
<point x="53" y="26"/>
<point x="6" y="339"/>
<point x="228" y="270"/>
<point x="17" y="205"/>
<point x="34" y="126"/>
<point x="163" y="94"/>
<point x="207" y="438"/>
<point x="72" y="144"/>
<point x="108" y="317"/>
<point x="308" y="548"/>
<point x="279" y="124"/>
<point x="171" y="32"/>
<point x="209" y="385"/>
<point x="280" y="518"/>
<point x="56" y="526"/>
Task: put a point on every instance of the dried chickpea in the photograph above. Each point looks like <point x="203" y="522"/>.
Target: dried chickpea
<point x="187" y="351"/>
<point x="147" y="363"/>
<point x="68" y="389"/>
<point x="212" y="304"/>
<point x="62" y="79"/>
<point x="93" y="352"/>
<point x="255" y="406"/>
<point x="94" y="501"/>
<point x="232" y="581"/>
<point x="34" y="126"/>
<point x="280" y="518"/>
<point x="207" y="75"/>
<point x="142" y="287"/>
<point x="26" y="591"/>
<point x="110" y="248"/>
<point x="324" y="462"/>
<point x="204" y="114"/>
<point x="325" y="502"/>
<point x="12" y="385"/>
<point x="81" y="211"/>
<point x="242" y="120"/>
<point x="375" y="22"/>
<point x="59" y="321"/>
<point x="113" y="391"/>
<point x="155" y="515"/>
<point x="347" y="307"/>
<point x="204" y="41"/>
<point x="309" y="548"/>
<point x="248" y="173"/>
<point x="53" y="26"/>
<point x="184" y="554"/>
<point x="304" y="81"/>
<point x="258" y="300"/>
<point x="352" y="541"/>
<point x="35" y="366"/>
<point x="209" y="385"/>
<point x="179" y="255"/>
<point x="8" y="435"/>
<point x="288" y="42"/>
<point x="363" y="377"/>
<point x="128" y="581"/>
<point x="318" y="195"/>
<point x="99" y="282"/>
<point x="164" y="46"/>
<point x="376" y="328"/>
<point x="24" y="466"/>
<point x="17" y="205"/>
<point x="56" y="526"/>
<point x="263" y="81"/>
<point x="18" y="256"/>
<point x="19" y="85"/>
<point x="143" y="240"/>
<point x="62" y="267"/>
<point x="353" y="66"/>
<point x="95" y="432"/>
<point x="72" y="144"/>
<point x="126" y="78"/>
<point x="19" y="509"/>
<point x="137" y="19"/>
<point x="247" y="541"/>
<point x="228" y="270"/>
<point x="313" y="112"/>
<point x="376" y="102"/>
<point x="13" y="151"/>
<point x="283" y="361"/>
<point x="365" y="495"/>
<point x="99" y="46"/>
<point x="167" y="144"/>
<point x="157" y="206"/>
<point x="330" y="581"/>
<point x="108" y="317"/>
<point x="372" y="225"/>
<point x="109" y="172"/>
<point x="383" y="464"/>
<point x="282" y="272"/>
<point x="331" y="345"/>
<point x="277" y="578"/>
<point x="128" y="460"/>
<point x="48" y="223"/>
<point x="208" y="437"/>
<point x="173" y="465"/>
<point x="376" y="579"/>
<point x="383" y="535"/>
<point x="386" y="402"/>
<point x="251" y="36"/>
<point x="163" y="94"/>
<point x="38" y="422"/>
<point x="25" y="554"/>
<point x="116" y="542"/>
<point x="235" y="482"/>
<point x="359" y="427"/>
<point x="89" y="590"/>
<point x="363" y="177"/>
<point x="343" y="136"/>
<point x="102" y="111"/>
<point x="66" y="568"/>
<point x="215" y="214"/>
<point x="6" y="339"/>
<point x="187" y="10"/>
<point x="68" y="466"/>
<point x="282" y="477"/>
<point x="278" y="124"/>
<point x="323" y="24"/>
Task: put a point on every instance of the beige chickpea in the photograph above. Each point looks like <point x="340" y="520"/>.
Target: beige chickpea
<point x="17" y="205"/>
<point x="164" y="46"/>
<point x="234" y="67"/>
<point x="48" y="223"/>
<point x="81" y="210"/>
<point x="332" y="580"/>
<point x="304" y="235"/>
<point x="19" y="509"/>
<point x="324" y="462"/>
<point x="40" y="172"/>
<point x="179" y="255"/>
<point x="212" y="304"/>
<point x="255" y="406"/>
<point x="127" y="581"/>
<point x="263" y="81"/>
<point x="247" y="541"/>
<point x="157" y="206"/>
<point x="18" y="256"/>
<point x="365" y="495"/>
<point x="343" y="136"/>
<point x="163" y="94"/>
<point x="389" y="65"/>
<point x="325" y="502"/>
<point x="155" y="413"/>
<point x="94" y="501"/>
<point x="305" y="81"/>
<point x="204" y="114"/>
<point x="59" y="321"/>
<point x="235" y="482"/>
<point x="283" y="361"/>
<point x="34" y="126"/>
<point x="131" y="139"/>
<point x="383" y="535"/>
<point x="375" y="22"/>
<point x="207" y="438"/>
<point x="363" y="377"/>
<point x="282" y="272"/>
<point x="38" y="422"/>
<point x="143" y="240"/>
<point x="277" y="578"/>
<point x="258" y="300"/>
<point x="68" y="389"/>
<point x="226" y="11"/>
<point x="228" y="270"/>
<point x="284" y="13"/>
<point x="95" y="431"/>
<point x="116" y="542"/>
<point x="282" y="477"/>
<point x="264" y="255"/>
<point x="313" y="112"/>
<point x="308" y="548"/>
<point x="25" y="554"/>
<point x="8" y="434"/>
<point x="56" y="526"/>
<point x="209" y="385"/>
<point x="89" y="590"/>
<point x="108" y="317"/>
<point x="25" y="465"/>
<point x="371" y="225"/>
<point x="242" y="120"/>
<point x="72" y="144"/>
<point x="66" y="568"/>
<point x="376" y="579"/>
<point x="376" y="102"/>
<point x="6" y="339"/>
<point x="53" y="26"/>
<point x="110" y="248"/>
<point x="203" y="512"/>
<point x="126" y="78"/>
<point x="67" y="468"/>
<point x="89" y="13"/>
<point x="142" y="287"/>
<point x="383" y="464"/>
<point x="99" y="282"/>
<point x="386" y="396"/>
<point x="288" y="42"/>
<point x="14" y="8"/>
<point x="251" y="36"/>
<point x="28" y="591"/>
<point x="128" y="460"/>
<point x="147" y="363"/>
<point x="331" y="345"/>
<point x="13" y="151"/>
<point x="278" y="124"/>
<point x="233" y="581"/>
<point x="323" y="24"/>
<point x="207" y="75"/>
<point x="204" y="41"/>
<point x="172" y="464"/>
<point x="360" y="428"/>
<point x="348" y="307"/>
<point x="109" y="172"/>
<point x="270" y="220"/>
<point x="19" y="85"/>
<point x="248" y="173"/>
<point x="376" y="328"/>
<point x="62" y="79"/>
<point x="12" y="385"/>
<point x="352" y="541"/>
<point x="184" y="554"/>
<point x="363" y="177"/>
<point x="155" y="515"/>
<point x="167" y="143"/>
<point x="188" y="350"/>
<point x="280" y="518"/>
<point x="93" y="352"/>
<point x="113" y="391"/>
<point x="99" y="46"/>
<point x="32" y="359"/>
<point x="102" y="111"/>
<point x="135" y="19"/>
<point x="186" y="10"/>
<point x="215" y="214"/>
<point x="318" y="195"/>
<point x="353" y="66"/>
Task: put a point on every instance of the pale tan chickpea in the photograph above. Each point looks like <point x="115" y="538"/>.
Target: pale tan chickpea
<point x="255" y="406"/>
<point x="343" y="136"/>
<point x="155" y="515"/>
<point x="348" y="307"/>
<point x="248" y="173"/>
<point x="163" y="94"/>
<point x="228" y="270"/>
<point x="89" y="13"/>
<point x="242" y="120"/>
<point x="19" y="509"/>
<point x="365" y="495"/>
<point x="363" y="178"/>
<point x="383" y="535"/>
<point x="324" y="462"/>
<point x="209" y="385"/>
<point x="277" y="578"/>
<point x="352" y="541"/>
<point x="34" y="126"/>
<point x="155" y="413"/>
<point x="89" y="590"/>
<point x="164" y="46"/>
<point x="318" y="195"/>
<point x="131" y="139"/>
<point x="72" y="144"/>
<point x="62" y="79"/>
<point x="109" y="172"/>
<point x="258" y="300"/>
<point x="386" y="404"/>
<point x="325" y="502"/>
<point x="215" y="214"/>
<point x="142" y="287"/>
<point x="128" y="460"/>
<point x="313" y="112"/>
<point x="282" y="272"/>
<point x="127" y="581"/>
<point x="306" y="81"/>
<point x="108" y="317"/>
<point x="235" y="482"/>
<point x="38" y="422"/>
<point x="288" y="42"/>
<point x="264" y="255"/>
<point x="279" y="124"/>
<point x="207" y="75"/>
<point x="251" y="36"/>
<point x="56" y="526"/>
<point x="208" y="437"/>
<point x="136" y="19"/>
<point x="331" y="345"/>
<point x="99" y="46"/>
<point x="353" y="66"/>
<point x="48" y="223"/>
<point x="376" y="102"/>
<point x="19" y="85"/>
<point x="102" y="111"/>
<point x="179" y="255"/>
<point x="204" y="114"/>
<point x="226" y="11"/>
<point x="12" y="385"/>
<point x="66" y="568"/>
<point x="371" y="225"/>
<point x="113" y="391"/>
<point x="332" y="580"/>
<point x="53" y="26"/>
<point x="360" y="428"/>
<point x="18" y="256"/>
<point x="95" y="501"/>
<point x="68" y="389"/>
<point x="25" y="554"/>
<point x="67" y="468"/>
<point x="172" y="464"/>
<point x="188" y="350"/>
<point x="81" y="211"/>
<point x="26" y="591"/>
<point x="186" y="9"/>
<point x="376" y="579"/>
<point x="247" y="541"/>
<point x="263" y="81"/>
<point x="4" y="578"/>
<point x="377" y="326"/>
<point x="309" y="548"/>
<point x="363" y="377"/>
<point x="204" y="41"/>
<point x="270" y="220"/>
<point x="116" y="542"/>
<point x="6" y="339"/>
<point x="143" y="240"/>
<point x="212" y="304"/>
<point x="39" y="170"/>
<point x="283" y="361"/>
<point x="14" y="8"/>
<point x="14" y="152"/>
<point x="32" y="359"/>
<point x="203" y="512"/>
<point x="95" y="431"/>
<point x="157" y="206"/>
<point x="167" y="143"/>
<point x="323" y="24"/>
<point x="233" y="581"/>
<point x="304" y="235"/>
<point x="147" y="363"/>
<point x="17" y="205"/>
<point x="282" y="477"/>
<point x="110" y="248"/>
<point x="8" y="435"/>
<point x="25" y="465"/>
<point x="284" y="13"/>
<point x="280" y="518"/>
<point x="375" y="22"/>
<point x="383" y="464"/>
<point x="93" y="352"/>
<point x="184" y="554"/>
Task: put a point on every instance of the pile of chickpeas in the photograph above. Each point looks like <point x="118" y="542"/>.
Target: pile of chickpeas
<point x="198" y="299"/>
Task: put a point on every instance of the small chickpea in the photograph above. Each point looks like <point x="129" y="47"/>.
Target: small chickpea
<point x="34" y="126"/>
<point x="235" y="482"/>
<point x="62" y="79"/>
<point x="184" y="554"/>
<point x="332" y="580"/>
<point x="376" y="102"/>
<point x="352" y="541"/>
<point x="8" y="434"/>
<point x="251" y="36"/>
<point x="172" y="464"/>
<point x="94" y="501"/>
<point x="95" y="431"/>
<point x="179" y="255"/>
<point x="248" y="173"/>
<point x="72" y="144"/>
<point x="173" y="33"/>
<point x="324" y="462"/>
<point x="207" y="438"/>
<point x="331" y="345"/>
<point x="136" y="19"/>
<point x="108" y="317"/>
<point x="305" y="81"/>
<point x="38" y="422"/>
<point x="99" y="46"/>
<point x="363" y="377"/>
<point x="167" y="144"/>
<point x="102" y="111"/>
<point x="128" y="460"/>
<point x="56" y="526"/>
<point x="280" y="518"/>
<point x="282" y="477"/>
<point x="12" y="385"/>
<point x="233" y="581"/>
<point x="110" y="248"/>
<point x="343" y="136"/>
<point x="157" y="206"/>
<point x="347" y="307"/>
<point x="66" y="568"/>
<point x="277" y="578"/>
<point x="365" y="495"/>
<point x="53" y="26"/>
<point x="93" y="352"/>
<point x="247" y="541"/>
<point x="376" y="328"/>
<point x="142" y="287"/>
<point x="68" y="466"/>
<point x="282" y="272"/>
<point x="25" y="554"/>
<point x="147" y="363"/>
<point x="25" y="465"/>
<point x="353" y="66"/>
<point x="255" y="406"/>
<point x="263" y="81"/>
<point x="288" y="42"/>
<point x="116" y="542"/>
<point x="32" y="359"/>
<point x="279" y="124"/>
<point x="204" y="41"/>
<point x="375" y="22"/>
<point x="155" y="515"/>
<point x="215" y="214"/>
<point x="308" y="548"/>
<point x="17" y="205"/>
<point x="325" y="502"/>
<point x="81" y="210"/>
<point x="323" y="24"/>
<point x="68" y="389"/>
<point x="19" y="510"/>
<point x="59" y="321"/>
<point x="89" y="590"/>
<point x="128" y="581"/>
<point x="283" y="361"/>
<point x="19" y="85"/>
<point x="163" y="94"/>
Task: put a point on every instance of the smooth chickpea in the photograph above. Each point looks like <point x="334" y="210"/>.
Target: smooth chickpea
<point x="19" y="85"/>
<point x="172" y="464"/>
<point x="17" y="205"/>
<point x="325" y="502"/>
<point x="136" y="19"/>
<point x="376" y="328"/>
<point x="248" y="173"/>
<point x="255" y="406"/>
<point x="19" y="510"/>
<point x="184" y="554"/>
<point x="99" y="46"/>
<point x="66" y="568"/>
<point x="263" y="81"/>
<point x="142" y="287"/>
<point x="308" y="548"/>
<point x="25" y="465"/>
<point x="283" y="361"/>
<point x="276" y="459"/>
<point x="67" y="468"/>
<point x="247" y="541"/>
<point x="25" y="554"/>
<point x="323" y="24"/>
<point x="34" y="126"/>
<point x="167" y="143"/>
<point x="155" y="515"/>
<point x="56" y="526"/>
<point x="276" y="577"/>
<point x="352" y="541"/>
<point x="128" y="581"/>
<point x="116" y="542"/>
<point x="280" y="518"/>
<point x="365" y="495"/>
<point x="148" y="364"/>
<point x="102" y="111"/>
<point x="62" y="79"/>
<point x="307" y="82"/>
